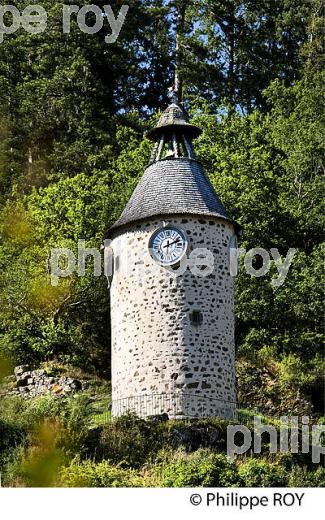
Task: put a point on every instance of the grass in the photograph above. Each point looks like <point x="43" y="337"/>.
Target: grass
<point x="100" y="412"/>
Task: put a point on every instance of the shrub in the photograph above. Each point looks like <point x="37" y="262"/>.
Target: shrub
<point x="261" y="473"/>
<point x="28" y="414"/>
<point x="201" y="433"/>
<point x="128" y="440"/>
<point x="294" y="372"/>
<point x="72" y="413"/>
<point x="301" y="477"/>
<point x="75" y="414"/>
<point x="103" y="474"/>
<point x="35" y="463"/>
<point x="12" y="410"/>
<point x="53" y="431"/>
<point x="202" y="468"/>
<point x="11" y="436"/>
<point x="11" y="467"/>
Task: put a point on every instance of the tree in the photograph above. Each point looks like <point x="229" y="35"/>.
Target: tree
<point x="235" y="48"/>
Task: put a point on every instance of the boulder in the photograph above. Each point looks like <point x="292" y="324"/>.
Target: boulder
<point x="19" y="370"/>
<point x="39" y="373"/>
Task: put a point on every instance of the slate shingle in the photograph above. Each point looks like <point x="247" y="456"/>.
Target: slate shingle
<point x="172" y="187"/>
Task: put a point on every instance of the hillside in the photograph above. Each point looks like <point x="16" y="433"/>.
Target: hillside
<point x="68" y="439"/>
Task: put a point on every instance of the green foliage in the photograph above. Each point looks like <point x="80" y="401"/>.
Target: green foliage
<point x="129" y="440"/>
<point x="7" y="159"/>
<point x="11" y="463"/>
<point x="204" y="468"/>
<point x="200" y="469"/>
<point x="37" y="463"/>
<point x="294" y="372"/>
<point x="234" y="49"/>
<point x="73" y="415"/>
<point x="11" y="435"/>
<point x="40" y="436"/>
<point x="40" y="310"/>
<point x="301" y="477"/>
<point x="262" y="473"/>
<point x="103" y="474"/>
<point x="50" y="442"/>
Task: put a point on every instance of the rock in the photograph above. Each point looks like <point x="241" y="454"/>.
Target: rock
<point x="22" y="380"/>
<point x="39" y="373"/>
<point x="31" y="383"/>
<point x="19" y="370"/>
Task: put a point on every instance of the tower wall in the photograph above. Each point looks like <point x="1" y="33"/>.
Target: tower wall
<point x="161" y="361"/>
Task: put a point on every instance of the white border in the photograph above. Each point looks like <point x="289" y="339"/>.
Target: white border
<point x="147" y="504"/>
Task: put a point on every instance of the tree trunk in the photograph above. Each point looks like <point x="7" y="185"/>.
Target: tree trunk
<point x="180" y="29"/>
<point x="231" y="58"/>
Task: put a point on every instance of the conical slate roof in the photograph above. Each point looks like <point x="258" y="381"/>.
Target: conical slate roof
<point x="170" y="187"/>
<point x="174" y="118"/>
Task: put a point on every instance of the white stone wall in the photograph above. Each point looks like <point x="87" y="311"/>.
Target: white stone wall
<point x="161" y="362"/>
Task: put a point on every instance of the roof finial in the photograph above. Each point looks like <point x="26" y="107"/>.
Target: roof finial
<point x="174" y="119"/>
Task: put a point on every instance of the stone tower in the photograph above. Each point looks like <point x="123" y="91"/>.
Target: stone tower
<point x="172" y="308"/>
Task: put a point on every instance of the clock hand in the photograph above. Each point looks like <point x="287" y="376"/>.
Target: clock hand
<point x="172" y="243"/>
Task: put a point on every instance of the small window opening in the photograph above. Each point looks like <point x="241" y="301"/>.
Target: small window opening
<point x="196" y="317"/>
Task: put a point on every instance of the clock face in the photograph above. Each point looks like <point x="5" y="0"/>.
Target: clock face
<point x="168" y="245"/>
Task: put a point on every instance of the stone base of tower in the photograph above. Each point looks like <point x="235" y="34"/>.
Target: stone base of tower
<point x="176" y="406"/>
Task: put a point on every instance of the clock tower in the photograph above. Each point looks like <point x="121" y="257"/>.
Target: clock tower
<point x="172" y="308"/>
